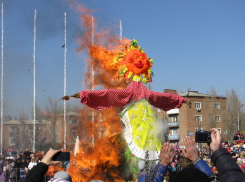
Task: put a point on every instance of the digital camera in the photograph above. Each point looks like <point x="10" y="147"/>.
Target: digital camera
<point x="203" y="136"/>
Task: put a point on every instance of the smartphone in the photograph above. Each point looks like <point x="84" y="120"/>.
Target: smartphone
<point x="62" y="156"/>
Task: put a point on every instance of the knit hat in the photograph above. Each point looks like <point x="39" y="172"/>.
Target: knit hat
<point x="64" y="176"/>
<point x="189" y="175"/>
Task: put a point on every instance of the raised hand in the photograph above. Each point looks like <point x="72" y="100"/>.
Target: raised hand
<point x="165" y="158"/>
<point x="216" y="139"/>
<point x="191" y="149"/>
<point x="47" y="159"/>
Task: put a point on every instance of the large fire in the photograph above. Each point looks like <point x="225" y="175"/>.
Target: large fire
<point x="102" y="160"/>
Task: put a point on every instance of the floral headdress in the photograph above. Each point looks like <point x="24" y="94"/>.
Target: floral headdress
<point x="125" y="73"/>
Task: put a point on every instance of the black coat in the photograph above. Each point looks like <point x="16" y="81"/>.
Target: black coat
<point x="228" y="169"/>
<point x="36" y="174"/>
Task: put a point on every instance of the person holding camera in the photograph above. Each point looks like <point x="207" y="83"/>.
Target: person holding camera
<point x="200" y="172"/>
<point x="36" y="174"/>
<point x="228" y="170"/>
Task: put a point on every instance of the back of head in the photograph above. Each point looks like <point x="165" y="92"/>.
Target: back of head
<point x="62" y="176"/>
<point x="184" y="162"/>
<point x="189" y="175"/>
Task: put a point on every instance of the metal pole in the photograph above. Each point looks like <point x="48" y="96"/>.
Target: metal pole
<point x="65" y="82"/>
<point x="2" y="87"/>
<point x="34" y="83"/>
<point x="92" y="82"/>
<point x="120" y="30"/>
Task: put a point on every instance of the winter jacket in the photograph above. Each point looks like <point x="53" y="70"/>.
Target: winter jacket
<point x="12" y="172"/>
<point x="3" y="177"/>
<point x="228" y="170"/>
<point x="178" y="167"/>
<point x="36" y="174"/>
<point x="201" y="165"/>
<point x="159" y="174"/>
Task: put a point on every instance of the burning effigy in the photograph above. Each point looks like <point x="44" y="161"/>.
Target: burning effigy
<point x="139" y="117"/>
<point x="142" y="125"/>
<point x="122" y="68"/>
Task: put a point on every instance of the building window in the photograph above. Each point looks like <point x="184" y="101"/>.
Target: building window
<point x="198" y="105"/>
<point x="74" y="121"/>
<point x="217" y="118"/>
<point x="12" y="129"/>
<point x="198" y="118"/>
<point x="174" y="119"/>
<point x="11" y="141"/>
<point x="216" y="106"/>
<point x="219" y="130"/>
<point x="198" y="129"/>
<point x="175" y="132"/>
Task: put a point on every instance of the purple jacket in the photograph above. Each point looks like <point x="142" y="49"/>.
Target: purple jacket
<point x="3" y="176"/>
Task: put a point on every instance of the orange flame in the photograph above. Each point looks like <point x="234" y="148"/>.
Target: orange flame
<point x="102" y="54"/>
<point x="102" y="160"/>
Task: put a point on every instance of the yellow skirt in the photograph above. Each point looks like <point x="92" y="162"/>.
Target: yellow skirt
<point x="144" y="131"/>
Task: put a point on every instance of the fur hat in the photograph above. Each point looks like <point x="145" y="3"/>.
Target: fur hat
<point x="189" y="175"/>
<point x="62" y="176"/>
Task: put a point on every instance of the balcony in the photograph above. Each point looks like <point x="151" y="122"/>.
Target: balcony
<point x="173" y="111"/>
<point x="173" y="124"/>
<point x="173" y="137"/>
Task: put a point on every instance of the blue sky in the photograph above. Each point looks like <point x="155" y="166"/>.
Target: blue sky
<point x="195" y="44"/>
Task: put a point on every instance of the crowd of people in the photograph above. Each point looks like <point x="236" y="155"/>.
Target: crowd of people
<point x="217" y="162"/>
<point x="196" y="167"/>
<point x="237" y="151"/>
<point x="14" y="165"/>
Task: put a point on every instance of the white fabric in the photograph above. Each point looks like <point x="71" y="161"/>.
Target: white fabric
<point x="138" y="152"/>
<point x="31" y="165"/>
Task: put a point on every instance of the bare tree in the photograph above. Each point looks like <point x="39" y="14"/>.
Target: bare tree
<point x="7" y="118"/>
<point x="39" y="113"/>
<point x="234" y="105"/>
<point x="24" y="135"/>
<point x="52" y="115"/>
<point x="210" y="105"/>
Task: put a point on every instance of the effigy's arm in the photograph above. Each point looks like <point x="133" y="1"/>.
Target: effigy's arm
<point x="103" y="99"/>
<point x="165" y="101"/>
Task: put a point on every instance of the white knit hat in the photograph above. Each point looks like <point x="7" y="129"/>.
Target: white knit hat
<point x="62" y="176"/>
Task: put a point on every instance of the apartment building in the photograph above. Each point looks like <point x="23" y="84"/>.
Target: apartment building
<point x="205" y="112"/>
<point x="18" y="134"/>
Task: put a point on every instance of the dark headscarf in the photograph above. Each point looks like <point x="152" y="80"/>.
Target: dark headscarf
<point x="18" y="164"/>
